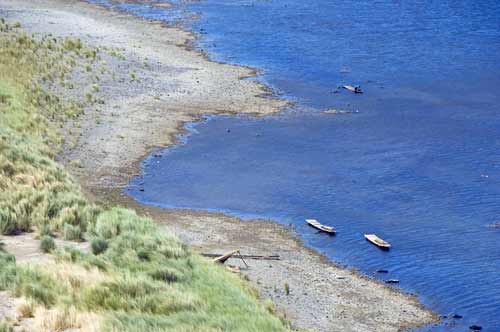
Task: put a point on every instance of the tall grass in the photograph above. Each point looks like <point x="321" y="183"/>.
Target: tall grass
<point x="136" y="278"/>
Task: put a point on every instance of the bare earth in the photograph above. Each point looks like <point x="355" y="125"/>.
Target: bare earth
<point x="178" y="86"/>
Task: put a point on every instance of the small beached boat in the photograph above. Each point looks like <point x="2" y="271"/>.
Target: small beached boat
<point x="316" y="224"/>
<point x="377" y="241"/>
<point x="355" y="89"/>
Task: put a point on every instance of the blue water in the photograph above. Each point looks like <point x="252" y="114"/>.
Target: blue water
<point x="419" y="164"/>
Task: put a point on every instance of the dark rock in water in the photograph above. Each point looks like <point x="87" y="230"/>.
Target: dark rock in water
<point x="475" y="328"/>
<point x="142" y="189"/>
<point x="392" y="281"/>
<point x="382" y="271"/>
<point x="457" y="316"/>
<point x="157" y="155"/>
<point x="228" y="130"/>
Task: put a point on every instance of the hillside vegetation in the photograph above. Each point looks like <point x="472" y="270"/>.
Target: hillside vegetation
<point x="135" y="277"/>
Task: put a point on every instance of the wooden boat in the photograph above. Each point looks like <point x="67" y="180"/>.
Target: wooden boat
<point x="378" y="241"/>
<point x="355" y="89"/>
<point x="316" y="224"/>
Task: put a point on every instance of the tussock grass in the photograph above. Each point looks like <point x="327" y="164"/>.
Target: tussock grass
<point x="135" y="278"/>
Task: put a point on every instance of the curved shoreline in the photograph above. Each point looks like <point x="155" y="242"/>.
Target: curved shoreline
<point x="111" y="153"/>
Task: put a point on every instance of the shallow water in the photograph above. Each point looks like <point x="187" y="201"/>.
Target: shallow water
<point x="419" y="164"/>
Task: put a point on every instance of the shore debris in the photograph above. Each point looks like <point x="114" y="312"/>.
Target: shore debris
<point x="355" y="89"/>
<point x="392" y="281"/>
<point x="257" y="257"/>
<point x="378" y="241"/>
<point x="316" y="224"/>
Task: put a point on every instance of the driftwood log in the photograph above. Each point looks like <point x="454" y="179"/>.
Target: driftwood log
<point x="261" y="257"/>
<point x="223" y="258"/>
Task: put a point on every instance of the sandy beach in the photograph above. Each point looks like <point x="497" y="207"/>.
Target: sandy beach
<point x="158" y="85"/>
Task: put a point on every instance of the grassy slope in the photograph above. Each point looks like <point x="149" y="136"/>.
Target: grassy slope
<point x="137" y="278"/>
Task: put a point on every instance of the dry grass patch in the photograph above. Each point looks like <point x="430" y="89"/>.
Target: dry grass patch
<point x="59" y="320"/>
<point x="74" y="276"/>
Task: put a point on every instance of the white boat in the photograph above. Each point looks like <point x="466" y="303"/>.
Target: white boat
<point x="316" y="224"/>
<point x="377" y="241"/>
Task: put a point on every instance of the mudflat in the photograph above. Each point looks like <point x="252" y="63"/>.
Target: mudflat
<point x="158" y="85"/>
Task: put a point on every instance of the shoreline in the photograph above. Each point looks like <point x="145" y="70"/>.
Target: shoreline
<point x="349" y="306"/>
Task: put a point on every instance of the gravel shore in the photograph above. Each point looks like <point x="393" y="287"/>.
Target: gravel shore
<point x="157" y="85"/>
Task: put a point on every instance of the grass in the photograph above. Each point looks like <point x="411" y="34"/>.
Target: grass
<point x="136" y="277"/>
<point x="6" y="327"/>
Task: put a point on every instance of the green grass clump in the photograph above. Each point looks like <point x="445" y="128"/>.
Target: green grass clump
<point x="98" y="245"/>
<point x="136" y="277"/>
<point x="47" y="244"/>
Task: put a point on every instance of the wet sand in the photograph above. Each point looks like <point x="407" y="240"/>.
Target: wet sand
<point x="160" y="84"/>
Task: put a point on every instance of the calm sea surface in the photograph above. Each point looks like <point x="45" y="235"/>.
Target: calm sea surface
<point x="417" y="162"/>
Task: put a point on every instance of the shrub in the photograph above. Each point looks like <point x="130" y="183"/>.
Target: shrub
<point x="47" y="244"/>
<point x="98" y="245"/>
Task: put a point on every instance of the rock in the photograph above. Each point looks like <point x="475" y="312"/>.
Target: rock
<point x="475" y="328"/>
<point x="382" y="271"/>
<point x="142" y="189"/>
<point x="228" y="130"/>
<point x="456" y="316"/>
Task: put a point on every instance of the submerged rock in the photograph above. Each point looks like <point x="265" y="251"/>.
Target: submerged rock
<point x="475" y="328"/>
